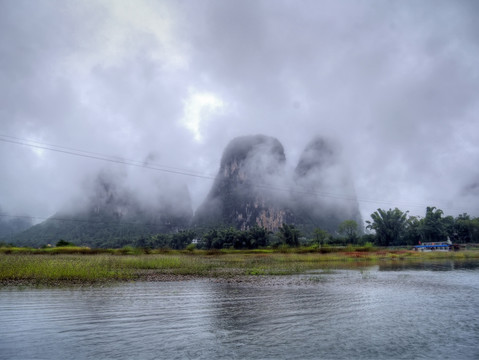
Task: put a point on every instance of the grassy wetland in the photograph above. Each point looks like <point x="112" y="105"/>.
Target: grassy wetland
<point x="75" y="265"/>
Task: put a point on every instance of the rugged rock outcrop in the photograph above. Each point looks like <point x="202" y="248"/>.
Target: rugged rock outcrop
<point x="253" y="188"/>
<point x="244" y="193"/>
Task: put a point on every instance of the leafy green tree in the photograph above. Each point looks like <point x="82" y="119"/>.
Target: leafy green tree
<point x="212" y="240"/>
<point x="475" y="230"/>
<point x="321" y="236"/>
<point x="413" y="234"/>
<point x="449" y="226"/>
<point x="462" y="228"/>
<point x="62" y="242"/>
<point x="433" y="228"/>
<point x="158" y="241"/>
<point x="368" y="238"/>
<point x="182" y="239"/>
<point x="143" y="242"/>
<point x="258" y="237"/>
<point x="466" y="229"/>
<point x="231" y="237"/>
<point x="289" y="234"/>
<point x="389" y="226"/>
<point x="349" y="229"/>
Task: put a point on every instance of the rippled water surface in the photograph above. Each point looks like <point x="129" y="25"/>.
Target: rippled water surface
<point x="402" y="312"/>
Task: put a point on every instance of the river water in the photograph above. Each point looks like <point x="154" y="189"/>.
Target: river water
<point x="425" y="311"/>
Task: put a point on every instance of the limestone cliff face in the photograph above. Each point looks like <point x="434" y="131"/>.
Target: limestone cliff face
<point x="241" y="195"/>
<point x="325" y="193"/>
<point x="250" y="188"/>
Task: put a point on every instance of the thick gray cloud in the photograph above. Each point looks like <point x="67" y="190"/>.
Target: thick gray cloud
<point x="170" y="83"/>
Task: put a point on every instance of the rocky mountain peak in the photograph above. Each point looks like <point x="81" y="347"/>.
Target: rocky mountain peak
<point x="240" y="196"/>
<point x="253" y="187"/>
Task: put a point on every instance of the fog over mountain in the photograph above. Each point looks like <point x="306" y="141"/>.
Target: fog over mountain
<point x="13" y="225"/>
<point x="112" y="215"/>
<point x="251" y="187"/>
<point x="152" y="92"/>
<point x="324" y="193"/>
<point x="254" y="186"/>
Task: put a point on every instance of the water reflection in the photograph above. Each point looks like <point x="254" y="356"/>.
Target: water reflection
<point x="439" y="265"/>
<point x="366" y="314"/>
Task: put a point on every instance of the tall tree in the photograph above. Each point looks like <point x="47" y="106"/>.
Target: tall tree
<point x="466" y="229"/>
<point x="289" y="234"/>
<point x="463" y="228"/>
<point x="433" y="228"/>
<point x="413" y="234"/>
<point x="389" y="226"/>
<point x="321" y="236"/>
<point x="349" y="229"/>
<point x="258" y="237"/>
<point x="182" y="239"/>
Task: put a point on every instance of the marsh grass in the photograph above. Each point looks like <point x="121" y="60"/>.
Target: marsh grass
<point x="72" y="265"/>
<point x="46" y="268"/>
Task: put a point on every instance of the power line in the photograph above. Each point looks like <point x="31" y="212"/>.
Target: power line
<point x="105" y="158"/>
<point x="29" y="142"/>
<point x="179" y="171"/>
<point x="97" y="156"/>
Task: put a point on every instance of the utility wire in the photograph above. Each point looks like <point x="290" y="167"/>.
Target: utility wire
<point x="29" y="142"/>
<point x="178" y="171"/>
<point x="98" y="156"/>
<point x="104" y="158"/>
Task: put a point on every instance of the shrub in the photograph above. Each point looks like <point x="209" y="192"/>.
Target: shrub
<point x="62" y="242"/>
<point x="366" y="248"/>
<point x="191" y="247"/>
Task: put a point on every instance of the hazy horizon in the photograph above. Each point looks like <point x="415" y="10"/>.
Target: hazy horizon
<point x="157" y="89"/>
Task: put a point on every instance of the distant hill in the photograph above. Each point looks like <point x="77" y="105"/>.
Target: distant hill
<point x="112" y="216"/>
<point x="10" y="226"/>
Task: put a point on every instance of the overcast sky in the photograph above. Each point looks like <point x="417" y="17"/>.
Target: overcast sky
<point x="170" y="83"/>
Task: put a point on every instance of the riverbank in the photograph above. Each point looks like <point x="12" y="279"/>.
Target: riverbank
<point x="77" y="266"/>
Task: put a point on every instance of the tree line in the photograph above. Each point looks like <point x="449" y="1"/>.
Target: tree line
<point x="395" y="227"/>
<point x="392" y="227"/>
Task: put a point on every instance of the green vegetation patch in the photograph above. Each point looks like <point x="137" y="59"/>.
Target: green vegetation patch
<point x="71" y="268"/>
<point x="53" y="267"/>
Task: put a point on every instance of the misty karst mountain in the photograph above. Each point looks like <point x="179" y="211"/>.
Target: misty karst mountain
<point x="168" y="208"/>
<point x="324" y="191"/>
<point x="112" y="215"/>
<point x="253" y="187"/>
<point x="244" y="194"/>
